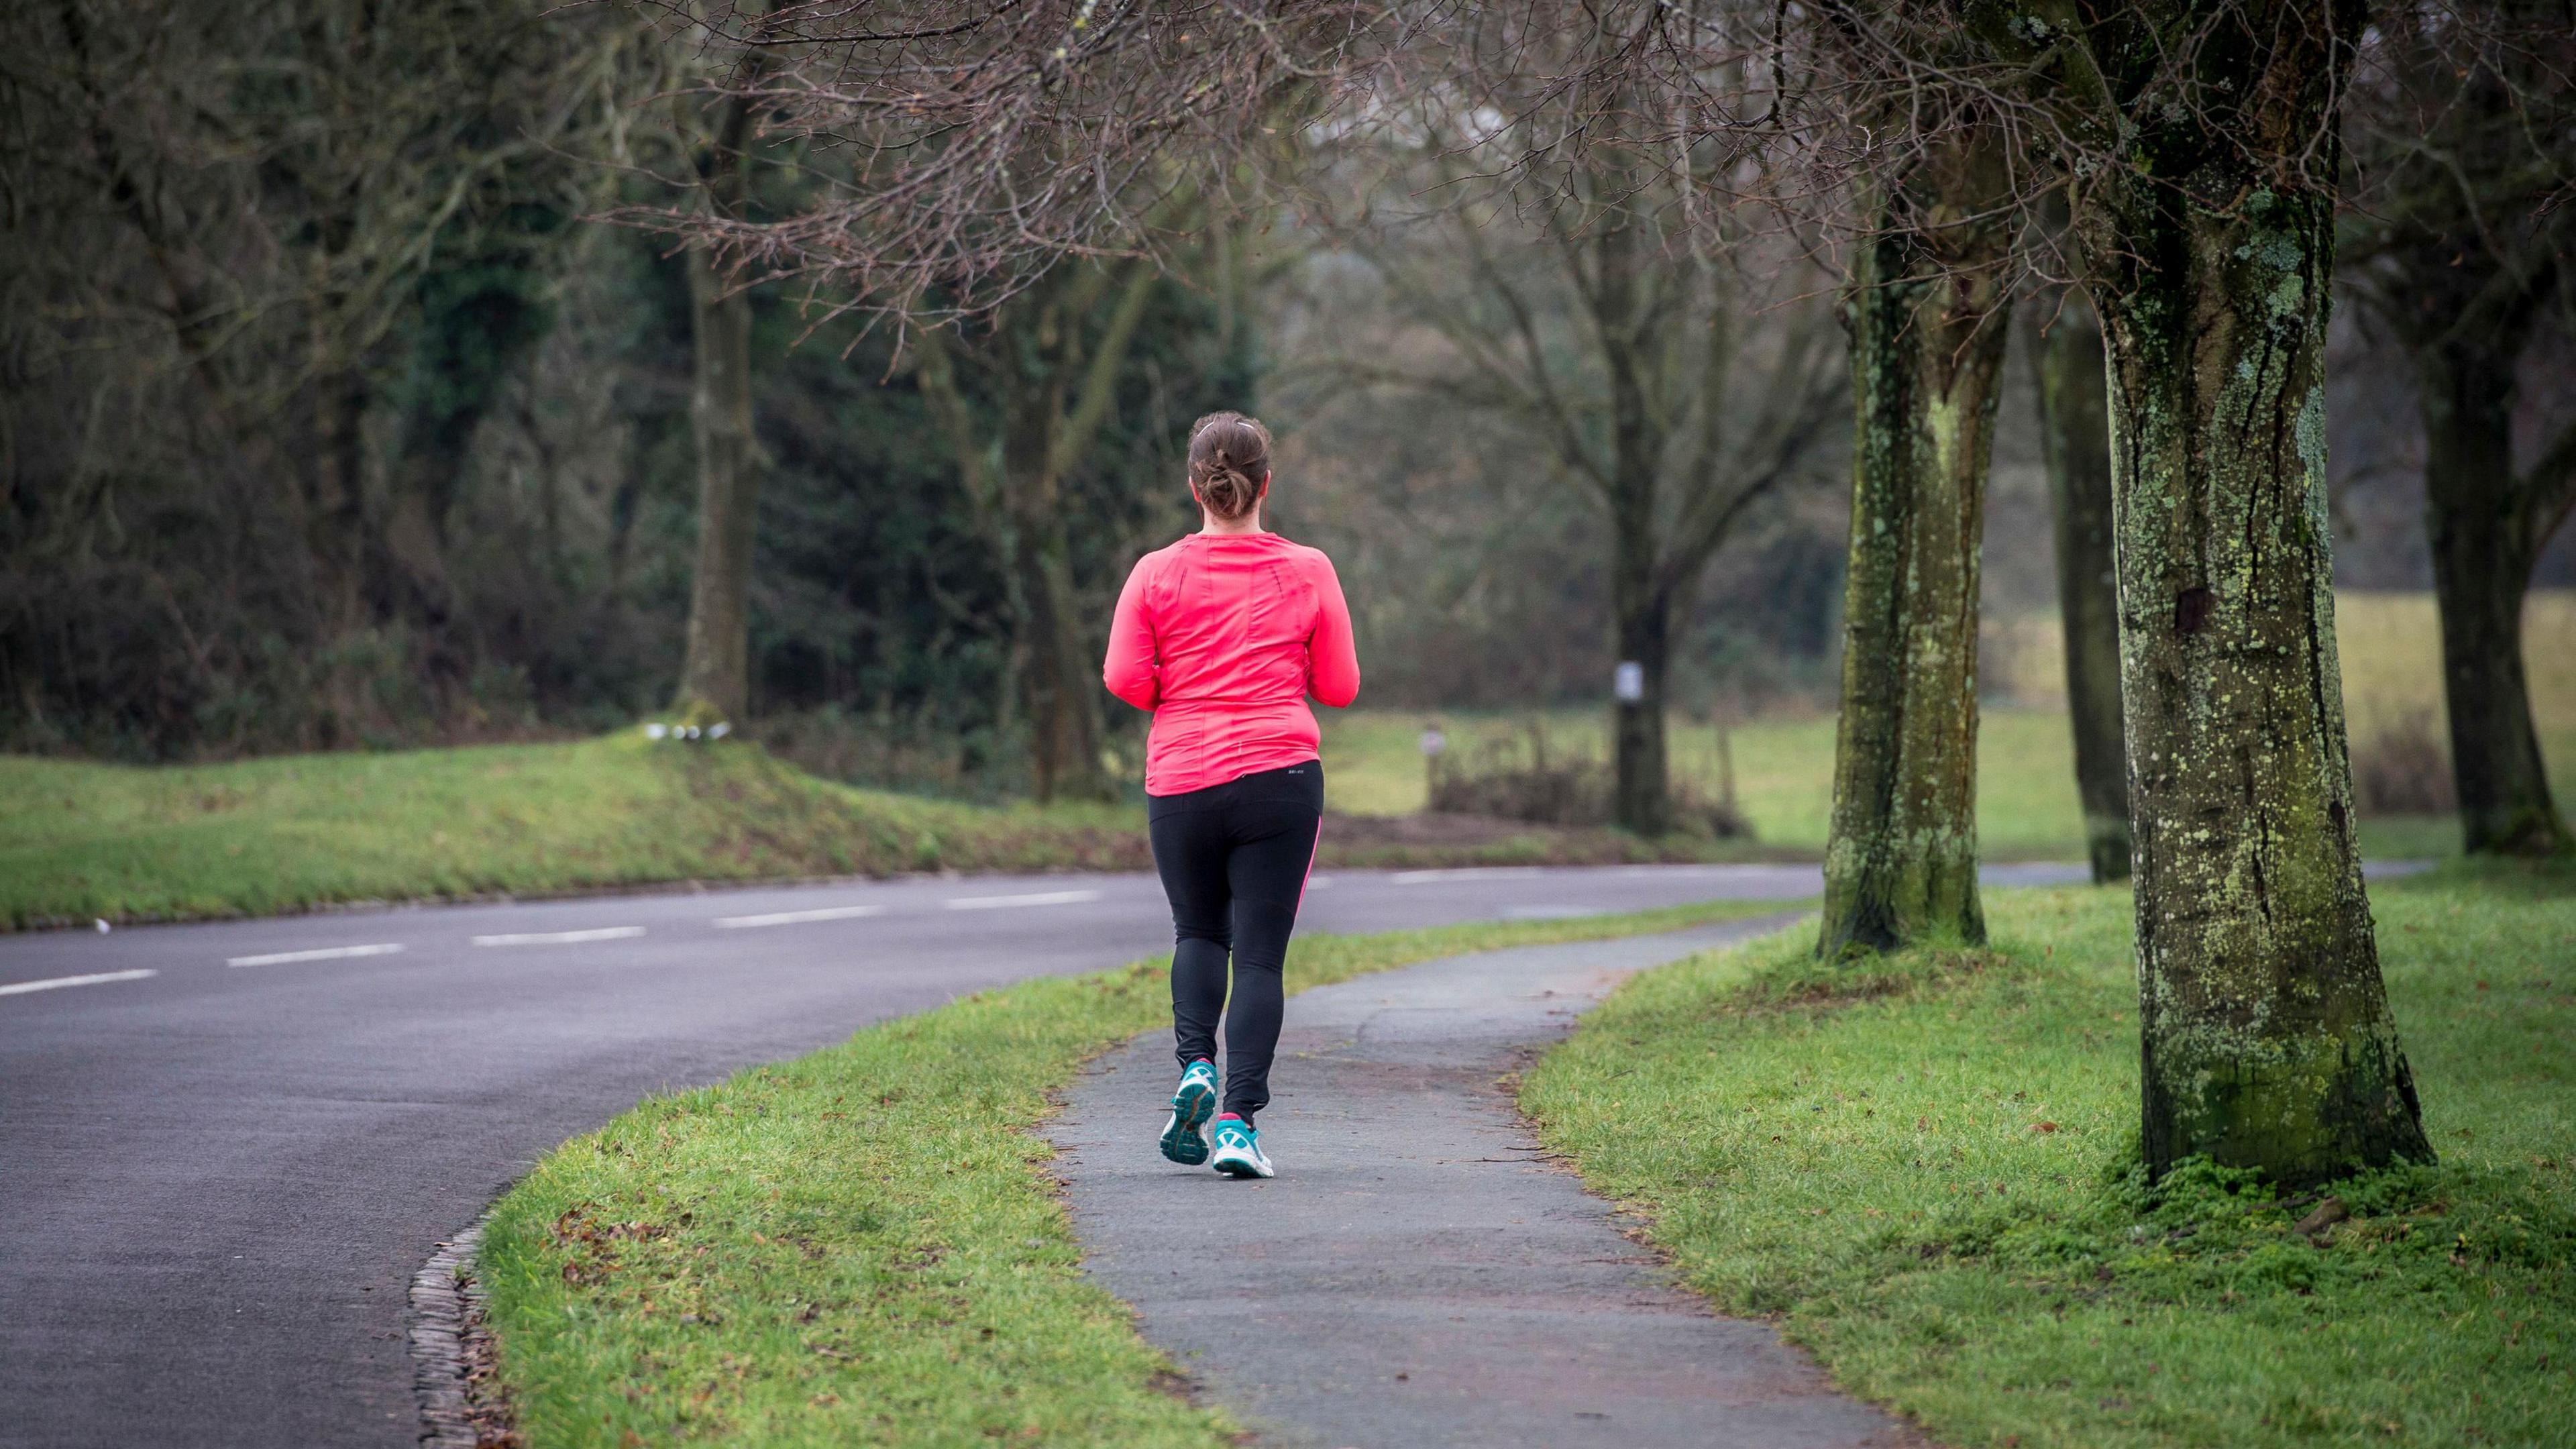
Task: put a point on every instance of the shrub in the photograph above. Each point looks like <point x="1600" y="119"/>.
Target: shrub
<point x="1522" y="776"/>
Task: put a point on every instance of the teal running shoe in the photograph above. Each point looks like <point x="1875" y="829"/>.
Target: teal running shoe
<point x="1185" y="1138"/>
<point x="1238" y="1150"/>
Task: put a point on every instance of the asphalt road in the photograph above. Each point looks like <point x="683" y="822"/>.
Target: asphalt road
<point x="222" y="1159"/>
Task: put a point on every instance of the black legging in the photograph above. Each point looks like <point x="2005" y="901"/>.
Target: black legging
<point x="1234" y="859"/>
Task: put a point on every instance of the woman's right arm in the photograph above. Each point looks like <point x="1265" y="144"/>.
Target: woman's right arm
<point x="1131" y="671"/>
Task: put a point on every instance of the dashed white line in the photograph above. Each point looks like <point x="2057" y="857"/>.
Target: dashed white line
<point x="796" y="918"/>
<point x="1034" y="898"/>
<point x="560" y="938"/>
<point x="1473" y="872"/>
<point x="324" y="953"/>
<point x="15" y="987"/>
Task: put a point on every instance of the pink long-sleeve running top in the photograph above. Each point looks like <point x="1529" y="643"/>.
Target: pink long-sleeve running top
<point x="1222" y="636"/>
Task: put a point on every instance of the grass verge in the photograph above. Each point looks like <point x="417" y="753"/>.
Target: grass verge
<point x="1925" y="1172"/>
<point x="260" y="837"/>
<point x="862" y="1246"/>
<point x="290" y="833"/>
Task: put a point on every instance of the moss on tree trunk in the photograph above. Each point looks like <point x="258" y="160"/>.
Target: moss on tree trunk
<point x="2075" y="433"/>
<point x="2266" y="1035"/>
<point x="1927" y="341"/>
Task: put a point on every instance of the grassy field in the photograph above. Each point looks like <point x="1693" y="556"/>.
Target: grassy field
<point x="2026" y="805"/>
<point x="863" y="1246"/>
<point x="1784" y="772"/>
<point x="1925" y="1172"/>
<point x="121" y="843"/>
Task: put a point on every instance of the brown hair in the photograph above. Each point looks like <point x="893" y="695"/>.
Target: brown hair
<point x="1229" y="463"/>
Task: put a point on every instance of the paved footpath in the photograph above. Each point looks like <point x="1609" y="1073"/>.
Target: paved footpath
<point x="1416" y="1275"/>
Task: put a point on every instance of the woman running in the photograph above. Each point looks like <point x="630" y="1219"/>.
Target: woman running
<point x="1223" y="635"/>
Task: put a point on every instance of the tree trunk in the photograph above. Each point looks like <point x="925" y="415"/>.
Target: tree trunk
<point x="2265" y="1032"/>
<point x="1927" y="344"/>
<point x="2483" y="545"/>
<point x="2074" y="429"/>
<point x="715" y="675"/>
<point x="338" y="515"/>
<point x="715" y="679"/>
<point x="1059" y="683"/>
<point x="1642" y="799"/>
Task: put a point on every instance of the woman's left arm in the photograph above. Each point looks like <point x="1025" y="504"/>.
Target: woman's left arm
<point x="1333" y="670"/>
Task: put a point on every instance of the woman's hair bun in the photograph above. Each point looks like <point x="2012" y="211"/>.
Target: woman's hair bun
<point x="1229" y="463"/>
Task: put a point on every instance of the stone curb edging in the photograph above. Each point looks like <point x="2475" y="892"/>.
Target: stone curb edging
<point x="449" y="1340"/>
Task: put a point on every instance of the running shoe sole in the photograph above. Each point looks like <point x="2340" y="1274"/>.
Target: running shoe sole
<point x="1244" y="1160"/>
<point x="1241" y="1167"/>
<point x="1185" y="1136"/>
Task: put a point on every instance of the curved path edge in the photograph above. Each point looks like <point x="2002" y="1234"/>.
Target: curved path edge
<point x="1420" y="1273"/>
<point x="452" y="1350"/>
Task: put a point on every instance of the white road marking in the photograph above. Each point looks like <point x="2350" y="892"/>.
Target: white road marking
<point x="326" y="953"/>
<point x="1473" y="872"/>
<point x="1553" y="913"/>
<point x="561" y="938"/>
<point x="15" y="987"/>
<point x="792" y="918"/>
<point x="1035" y="898"/>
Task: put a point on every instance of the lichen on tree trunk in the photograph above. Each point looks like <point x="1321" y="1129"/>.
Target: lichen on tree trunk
<point x="2266" y="1035"/>
<point x="1927" y="341"/>
<point x="2074" y="425"/>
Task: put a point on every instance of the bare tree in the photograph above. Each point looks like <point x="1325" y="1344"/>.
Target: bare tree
<point x="1528" y="220"/>
<point x="1048" y="366"/>
<point x="977" y="147"/>
<point x="715" y="671"/>
<point x="2464" y="131"/>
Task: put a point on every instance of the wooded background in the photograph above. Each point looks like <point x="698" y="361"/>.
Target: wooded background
<point x="336" y="416"/>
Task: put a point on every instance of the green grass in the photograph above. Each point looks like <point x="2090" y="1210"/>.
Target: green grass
<point x="290" y="833"/>
<point x="1925" y="1172"/>
<point x="863" y="1246"/>
<point x="2390" y="645"/>
<point x="1784" y="771"/>
<point x="1784" y="774"/>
